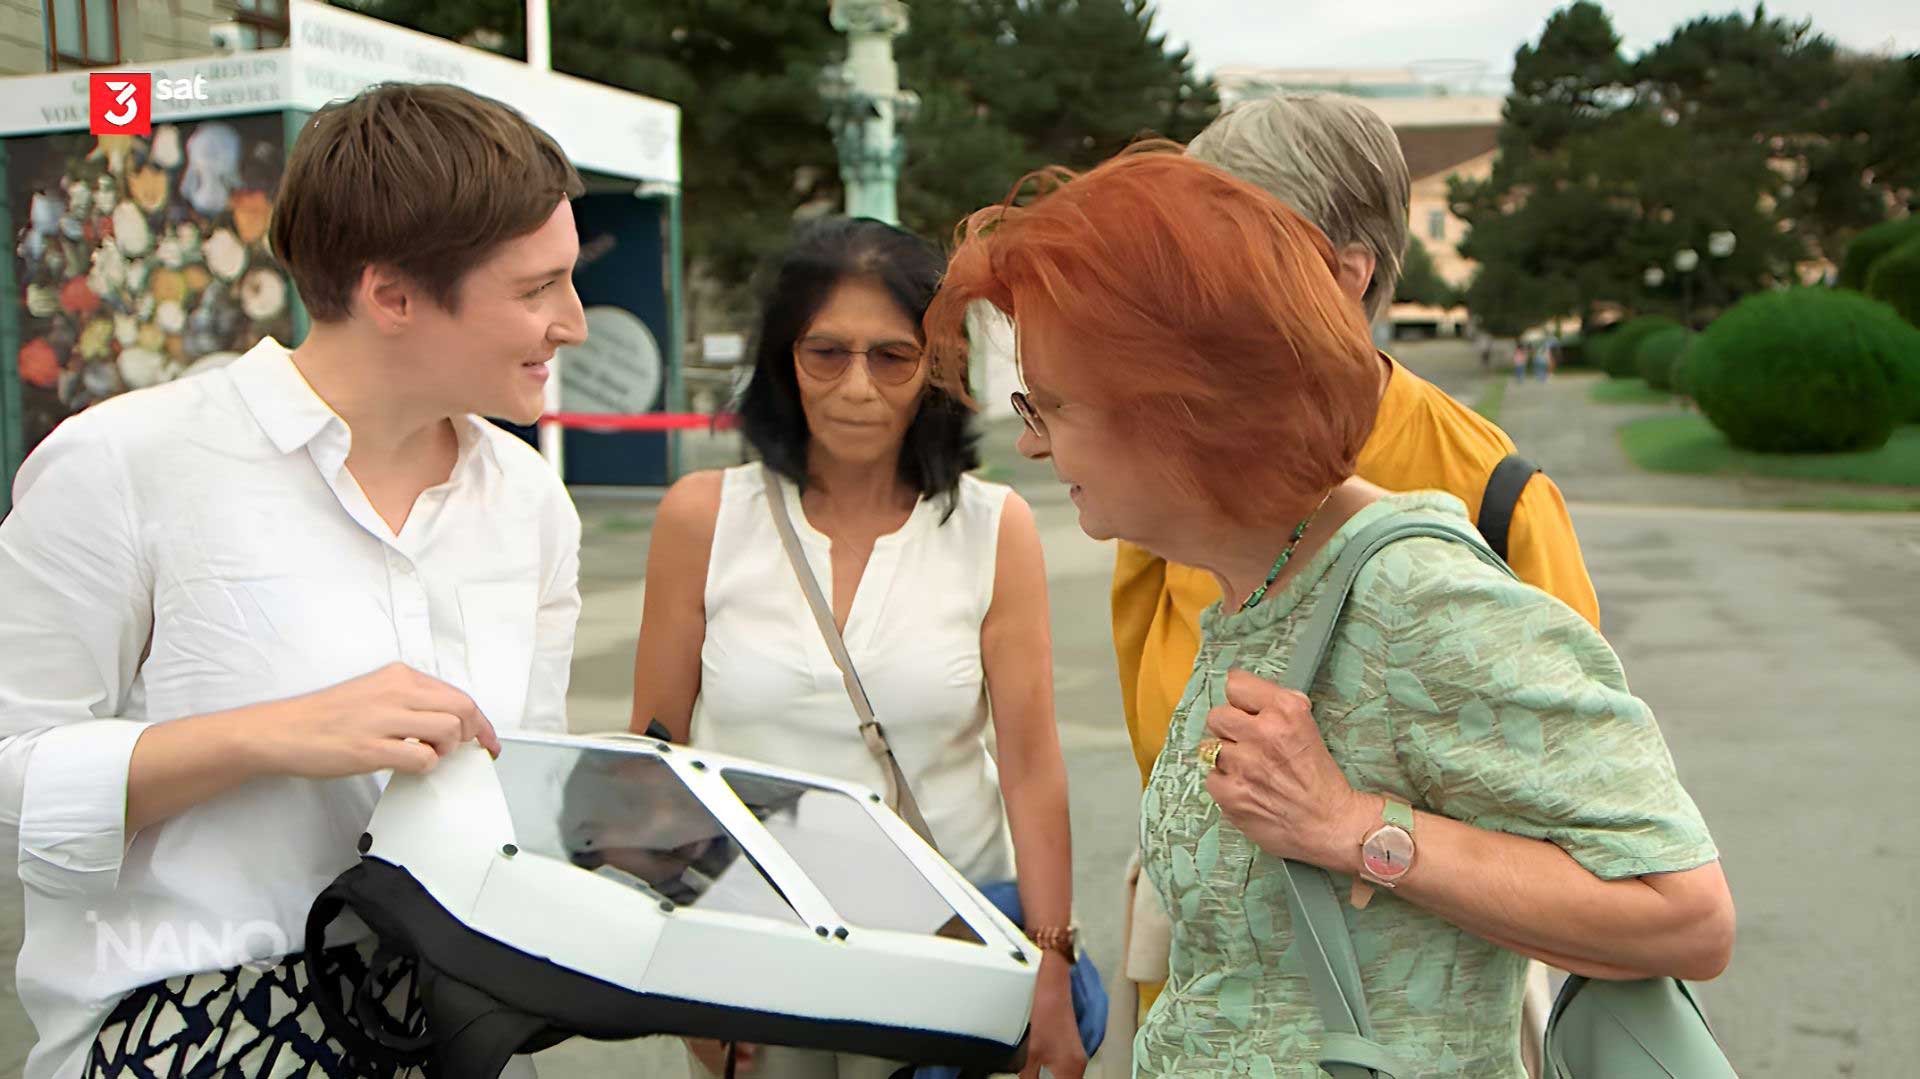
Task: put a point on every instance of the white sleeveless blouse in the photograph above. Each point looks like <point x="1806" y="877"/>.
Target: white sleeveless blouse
<point x="769" y="689"/>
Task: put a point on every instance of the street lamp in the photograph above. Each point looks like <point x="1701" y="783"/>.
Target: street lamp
<point x="1686" y="260"/>
<point x="1654" y="276"/>
<point x="1720" y="245"/>
<point x="864" y="98"/>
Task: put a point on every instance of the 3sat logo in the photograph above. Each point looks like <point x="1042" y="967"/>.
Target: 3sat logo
<point x="121" y="102"/>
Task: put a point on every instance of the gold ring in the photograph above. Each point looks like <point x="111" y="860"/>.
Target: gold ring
<point x="1209" y="753"/>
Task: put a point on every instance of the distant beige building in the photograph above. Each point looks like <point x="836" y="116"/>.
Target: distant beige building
<point x="1448" y="126"/>
<point x="62" y="35"/>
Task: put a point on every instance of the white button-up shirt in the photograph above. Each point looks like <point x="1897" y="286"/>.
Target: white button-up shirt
<point x="200" y="547"/>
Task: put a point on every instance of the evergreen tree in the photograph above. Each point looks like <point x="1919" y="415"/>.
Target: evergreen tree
<point x="1006" y="86"/>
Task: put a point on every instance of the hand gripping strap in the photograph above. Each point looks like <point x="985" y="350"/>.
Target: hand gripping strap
<point x="1348" y="1049"/>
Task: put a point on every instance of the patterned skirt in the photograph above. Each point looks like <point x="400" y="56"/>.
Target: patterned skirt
<point x="247" y="1023"/>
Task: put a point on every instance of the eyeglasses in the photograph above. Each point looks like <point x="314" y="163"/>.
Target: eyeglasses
<point x="829" y="360"/>
<point x="1029" y="415"/>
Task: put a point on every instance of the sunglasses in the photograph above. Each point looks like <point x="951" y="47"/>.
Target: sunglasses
<point x="829" y="360"/>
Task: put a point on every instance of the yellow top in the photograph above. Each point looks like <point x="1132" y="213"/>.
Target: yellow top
<point x="1422" y="439"/>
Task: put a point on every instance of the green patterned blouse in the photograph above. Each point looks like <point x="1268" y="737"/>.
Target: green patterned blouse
<point x="1460" y="690"/>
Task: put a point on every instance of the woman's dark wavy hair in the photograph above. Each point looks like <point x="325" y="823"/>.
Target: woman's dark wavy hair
<point x="940" y="444"/>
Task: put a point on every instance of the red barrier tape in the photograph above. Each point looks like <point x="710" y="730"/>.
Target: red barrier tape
<point x="653" y="421"/>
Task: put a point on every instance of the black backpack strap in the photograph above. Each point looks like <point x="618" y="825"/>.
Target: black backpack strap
<point x="477" y="1034"/>
<point x="1510" y="478"/>
<point x="378" y="1043"/>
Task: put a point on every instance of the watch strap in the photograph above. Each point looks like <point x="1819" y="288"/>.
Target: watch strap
<point x="1397" y="813"/>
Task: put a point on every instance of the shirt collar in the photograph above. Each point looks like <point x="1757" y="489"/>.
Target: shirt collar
<point x="293" y="416"/>
<point x="472" y="431"/>
<point x="1398" y="403"/>
<point x="1400" y="396"/>
<point x="277" y="394"/>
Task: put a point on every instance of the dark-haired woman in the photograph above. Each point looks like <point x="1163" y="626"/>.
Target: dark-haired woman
<point x="935" y="580"/>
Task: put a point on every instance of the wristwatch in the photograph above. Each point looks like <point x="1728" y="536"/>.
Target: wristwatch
<point x="1387" y="853"/>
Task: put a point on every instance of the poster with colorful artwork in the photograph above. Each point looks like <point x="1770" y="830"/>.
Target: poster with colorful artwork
<point x="141" y="259"/>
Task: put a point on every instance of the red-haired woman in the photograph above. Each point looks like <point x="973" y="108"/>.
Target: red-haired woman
<point x="1193" y="373"/>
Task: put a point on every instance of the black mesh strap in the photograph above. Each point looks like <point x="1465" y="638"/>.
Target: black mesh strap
<point x="372" y="1043"/>
<point x="1509" y="480"/>
<point x="475" y="1034"/>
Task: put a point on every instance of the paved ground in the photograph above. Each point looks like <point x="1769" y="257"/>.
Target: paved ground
<point x="1780" y="651"/>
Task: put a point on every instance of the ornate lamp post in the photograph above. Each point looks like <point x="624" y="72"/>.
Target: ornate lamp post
<point x="866" y="103"/>
<point x="1686" y="260"/>
<point x="1720" y="246"/>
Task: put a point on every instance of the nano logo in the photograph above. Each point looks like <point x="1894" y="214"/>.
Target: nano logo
<point x="120" y="103"/>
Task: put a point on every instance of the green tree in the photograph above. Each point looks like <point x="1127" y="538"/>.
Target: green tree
<point x="1420" y="282"/>
<point x="1006" y="86"/>
<point x="744" y="73"/>
<point x="1568" y="84"/>
<point x="1609" y="166"/>
<point x="1009" y="86"/>
<point x="1507" y="301"/>
<point x="1549" y="225"/>
<point x="1861" y="160"/>
<point x="1744" y="93"/>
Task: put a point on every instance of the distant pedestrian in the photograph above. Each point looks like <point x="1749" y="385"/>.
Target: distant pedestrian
<point x="1546" y="353"/>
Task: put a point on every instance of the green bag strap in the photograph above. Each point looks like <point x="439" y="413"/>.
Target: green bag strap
<point x="1362" y="1056"/>
<point x="1348" y="1050"/>
<point x="1310" y="647"/>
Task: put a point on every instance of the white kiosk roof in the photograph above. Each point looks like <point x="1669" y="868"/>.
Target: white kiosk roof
<point x="335" y="54"/>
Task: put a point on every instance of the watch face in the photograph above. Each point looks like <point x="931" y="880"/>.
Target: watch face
<point x="1388" y="853"/>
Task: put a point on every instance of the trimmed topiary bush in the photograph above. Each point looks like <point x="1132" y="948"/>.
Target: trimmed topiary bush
<point x="1806" y="370"/>
<point x="1683" y="383"/>
<point x="1872" y="245"/>
<point x="1659" y="354"/>
<point x="1895" y="280"/>
<point x="1908" y="375"/>
<point x="1623" y="351"/>
<point x="1596" y="345"/>
<point x="1906" y="365"/>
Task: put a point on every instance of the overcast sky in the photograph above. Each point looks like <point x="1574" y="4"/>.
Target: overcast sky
<point x="1395" y="33"/>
